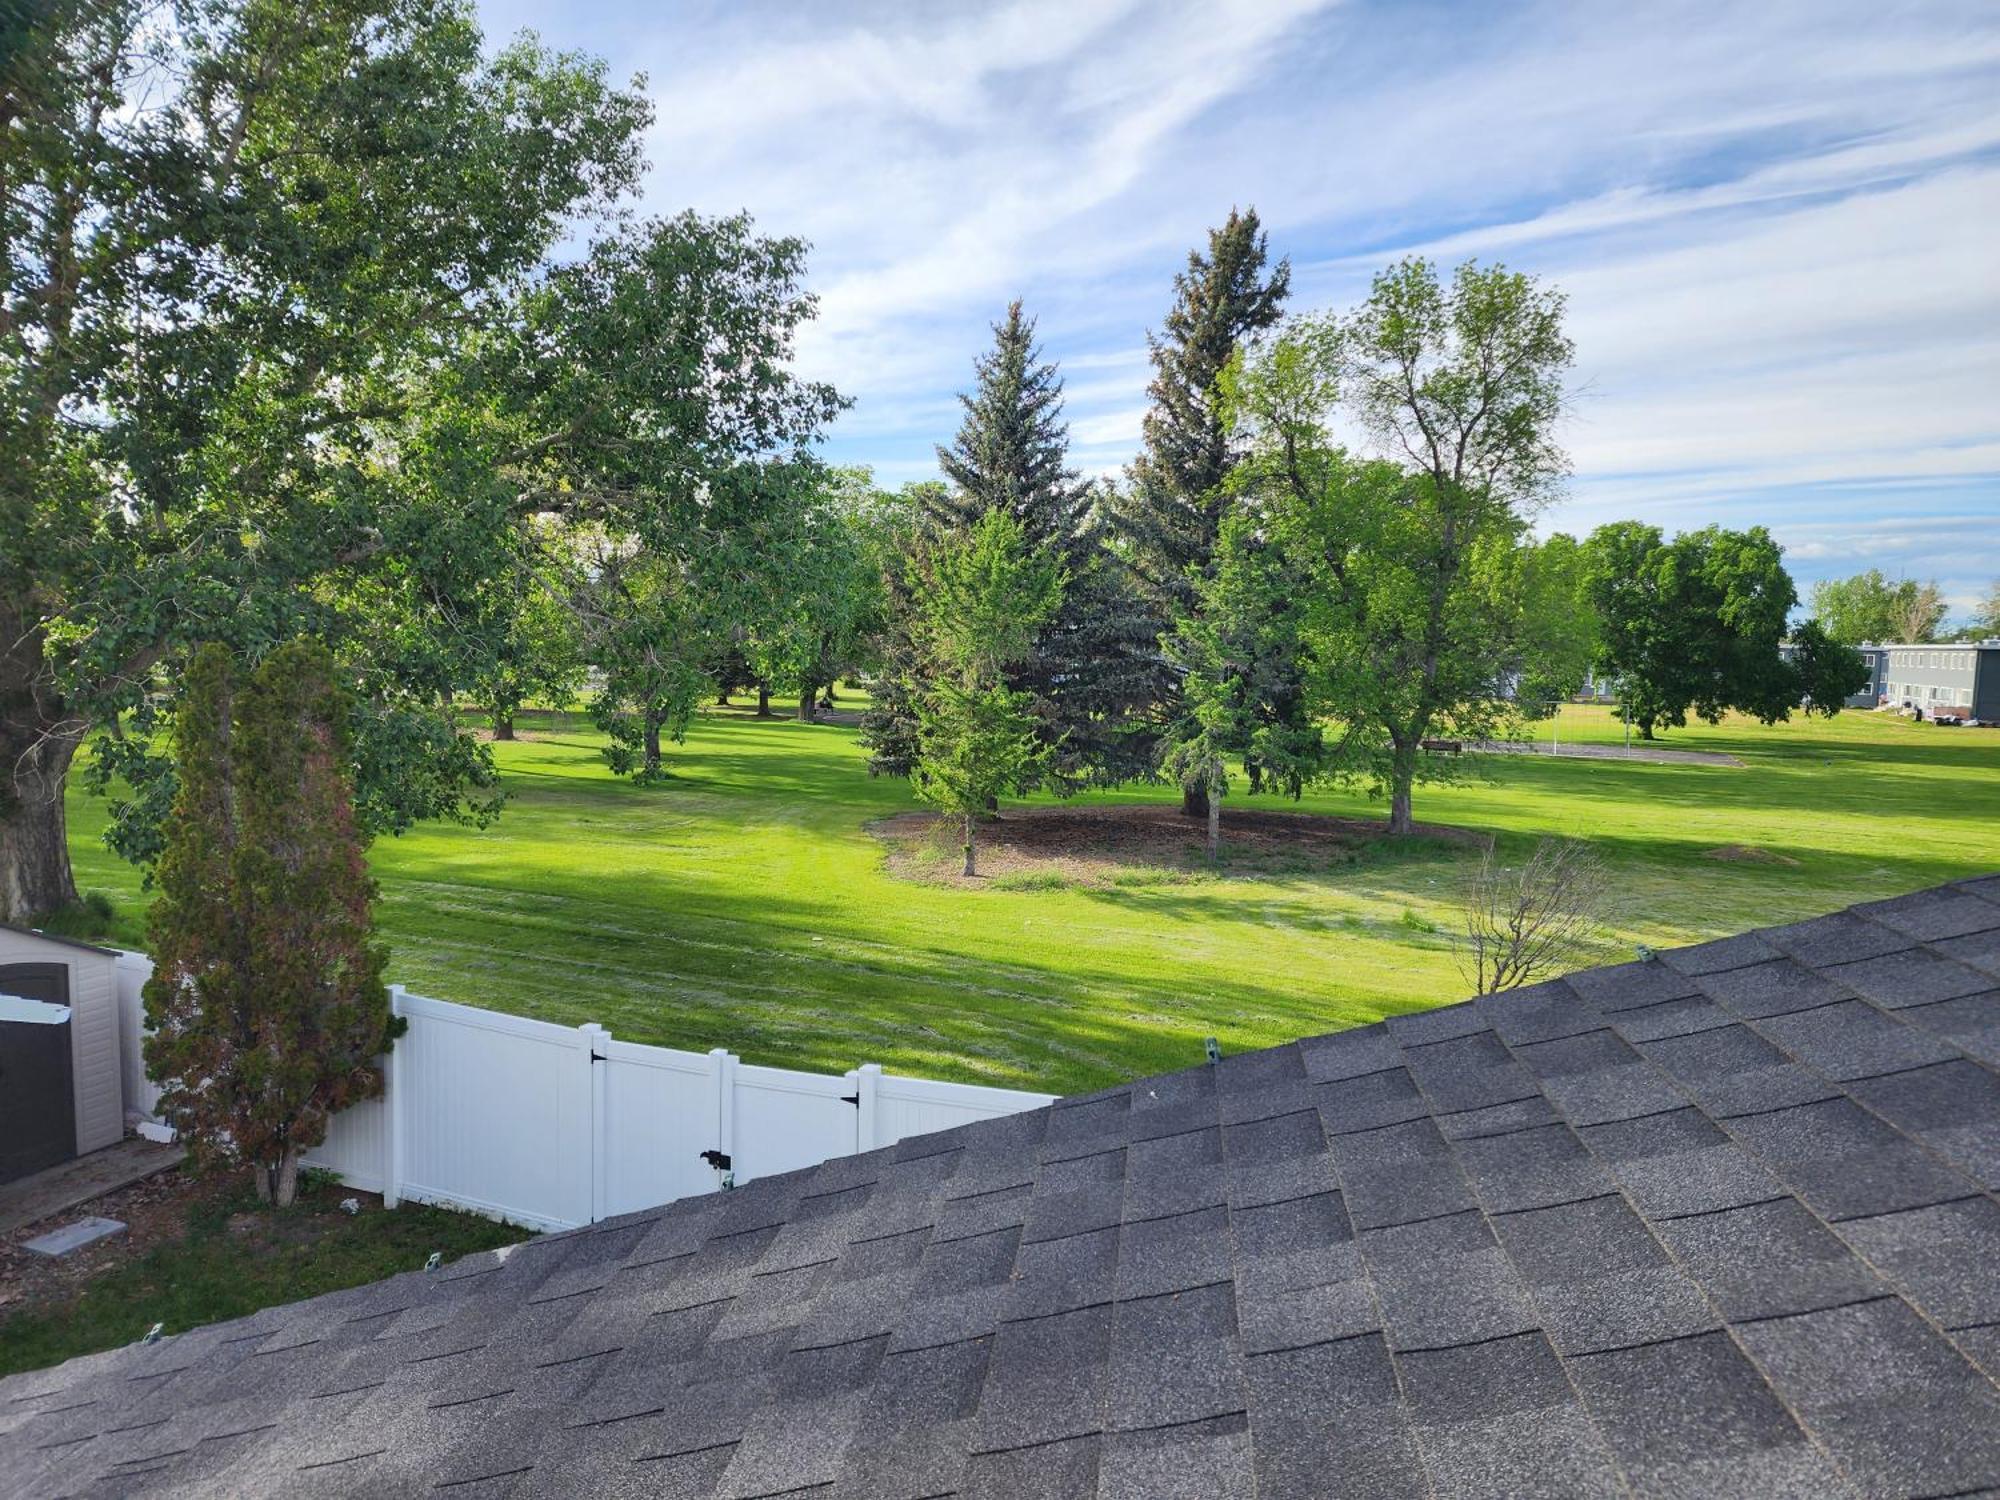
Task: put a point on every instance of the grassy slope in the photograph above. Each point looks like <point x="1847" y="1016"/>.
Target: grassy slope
<point x="744" y="904"/>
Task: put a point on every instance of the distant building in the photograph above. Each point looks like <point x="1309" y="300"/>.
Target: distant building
<point x="1939" y="677"/>
<point x="1877" y="658"/>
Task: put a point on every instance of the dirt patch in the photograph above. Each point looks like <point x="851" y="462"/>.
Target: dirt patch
<point x="487" y="736"/>
<point x="1746" y="854"/>
<point x="1143" y="844"/>
<point x="155" y="1212"/>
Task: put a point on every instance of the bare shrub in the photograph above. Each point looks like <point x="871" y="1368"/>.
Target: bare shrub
<point x="1529" y="922"/>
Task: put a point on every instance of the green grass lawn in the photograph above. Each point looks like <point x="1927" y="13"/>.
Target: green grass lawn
<point x="236" y="1257"/>
<point x="744" y="904"/>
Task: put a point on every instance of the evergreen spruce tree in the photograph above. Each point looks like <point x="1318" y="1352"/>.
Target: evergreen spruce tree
<point x="268" y="1009"/>
<point x="1172" y="512"/>
<point x="1090" y="673"/>
<point x="1176" y="498"/>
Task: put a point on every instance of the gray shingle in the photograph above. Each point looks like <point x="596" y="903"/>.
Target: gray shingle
<point x="1175" y="1358"/>
<point x="1972" y="1024"/>
<point x="1692" y="1416"/>
<point x="1929" y="916"/>
<point x="1328" y="1420"/>
<point x="1531" y="1169"/>
<point x="1953" y="1107"/>
<point x="1500" y="1418"/>
<point x="1717" y="1224"/>
<point x="1768" y="1259"/>
<point x="1046" y="1380"/>
<point x="1945" y="1259"/>
<point x="1845" y="1162"/>
<point x="1916" y="976"/>
<point x="1900" y="1408"/>
<point x="1205" y="1460"/>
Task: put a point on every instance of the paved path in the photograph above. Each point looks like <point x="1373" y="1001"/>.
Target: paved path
<point x="1607" y="752"/>
<point x="61" y="1187"/>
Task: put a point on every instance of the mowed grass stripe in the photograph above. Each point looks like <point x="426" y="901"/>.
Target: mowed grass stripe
<point x="745" y="903"/>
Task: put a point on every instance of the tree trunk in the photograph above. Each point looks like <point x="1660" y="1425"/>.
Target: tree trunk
<point x="763" y="700"/>
<point x="722" y="696"/>
<point x="35" y="877"/>
<point x="807" y="714"/>
<point x="968" y="845"/>
<point x="1194" y="800"/>
<point x="1402" y="775"/>
<point x="277" y="1182"/>
<point x="652" y="743"/>
<point x="503" y="726"/>
<point x="1645" y="729"/>
<point x="1214" y="828"/>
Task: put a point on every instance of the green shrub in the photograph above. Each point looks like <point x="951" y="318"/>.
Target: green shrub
<point x="89" y="917"/>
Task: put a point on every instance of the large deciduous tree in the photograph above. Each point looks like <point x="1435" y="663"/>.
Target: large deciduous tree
<point x="830" y="600"/>
<point x="1871" y="607"/>
<point x="1828" y="672"/>
<point x="266" y="1002"/>
<point x="647" y="392"/>
<point x="239" y="241"/>
<point x="981" y="602"/>
<point x="1693" y="624"/>
<point x="1422" y="579"/>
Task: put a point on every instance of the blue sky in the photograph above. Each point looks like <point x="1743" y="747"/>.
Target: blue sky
<point x="1778" y="225"/>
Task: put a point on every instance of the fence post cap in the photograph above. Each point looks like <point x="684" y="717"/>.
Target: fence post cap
<point x="874" y="1068"/>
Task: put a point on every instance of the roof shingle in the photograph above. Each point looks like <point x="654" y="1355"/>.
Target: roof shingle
<point x="1723" y="1223"/>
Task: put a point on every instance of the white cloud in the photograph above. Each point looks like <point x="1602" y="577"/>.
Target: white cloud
<point x="1775" y="222"/>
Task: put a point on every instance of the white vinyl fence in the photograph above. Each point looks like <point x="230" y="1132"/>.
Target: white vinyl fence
<point x="556" y="1126"/>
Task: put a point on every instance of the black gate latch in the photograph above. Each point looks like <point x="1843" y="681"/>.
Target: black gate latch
<point x="716" y="1159"/>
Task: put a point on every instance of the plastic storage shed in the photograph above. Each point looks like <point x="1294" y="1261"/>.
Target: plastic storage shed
<point x="60" y="971"/>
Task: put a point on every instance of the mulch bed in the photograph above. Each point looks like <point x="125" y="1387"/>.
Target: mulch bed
<point x="1106" y="845"/>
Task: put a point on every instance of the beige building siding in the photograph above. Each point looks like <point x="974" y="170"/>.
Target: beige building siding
<point x="93" y="1031"/>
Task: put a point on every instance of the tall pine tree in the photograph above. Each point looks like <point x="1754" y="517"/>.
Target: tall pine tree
<point x="1172" y="511"/>
<point x="1090" y="673"/>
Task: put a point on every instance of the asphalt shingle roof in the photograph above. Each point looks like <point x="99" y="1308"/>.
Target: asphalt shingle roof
<point x="1720" y="1223"/>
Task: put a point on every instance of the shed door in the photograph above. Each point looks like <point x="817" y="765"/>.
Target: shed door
<point x="37" y="1105"/>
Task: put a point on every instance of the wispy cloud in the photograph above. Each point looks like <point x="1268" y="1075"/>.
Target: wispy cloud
<point x="1774" y="223"/>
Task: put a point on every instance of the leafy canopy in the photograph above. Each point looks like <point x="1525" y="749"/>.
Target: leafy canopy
<point x="241" y="247"/>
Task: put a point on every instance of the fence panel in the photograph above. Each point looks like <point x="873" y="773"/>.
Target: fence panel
<point x="786" y="1120"/>
<point x="917" y="1106"/>
<point x="357" y="1147"/>
<point x="661" y="1110"/>
<point x="495" y="1113"/>
<point x="558" y="1126"/>
<point x="142" y="1095"/>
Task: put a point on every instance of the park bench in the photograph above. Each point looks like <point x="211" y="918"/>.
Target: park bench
<point x="1442" y="747"/>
